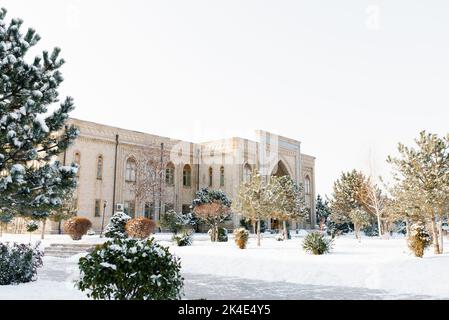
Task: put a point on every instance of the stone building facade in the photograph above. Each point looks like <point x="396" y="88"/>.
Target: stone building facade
<point x="111" y="161"/>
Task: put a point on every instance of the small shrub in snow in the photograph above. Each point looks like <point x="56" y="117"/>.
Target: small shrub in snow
<point x="176" y="222"/>
<point x="116" y="226"/>
<point x="77" y="227"/>
<point x="241" y="237"/>
<point x="279" y="237"/>
<point x="317" y="243"/>
<point x="32" y="226"/>
<point x="183" y="239"/>
<point x="131" y="269"/>
<point x="19" y="262"/>
<point x="140" y="228"/>
<point x="419" y="239"/>
<point x="222" y="235"/>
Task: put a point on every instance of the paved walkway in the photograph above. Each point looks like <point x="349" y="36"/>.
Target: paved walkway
<point x="219" y="288"/>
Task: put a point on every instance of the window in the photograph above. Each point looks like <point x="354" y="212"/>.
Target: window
<point x="97" y="211"/>
<point x="247" y="173"/>
<point x="130" y="173"/>
<point x="211" y="180"/>
<point x="187" y="176"/>
<point x="168" y="207"/>
<point x="186" y="208"/>
<point x="222" y="177"/>
<point x="100" y="167"/>
<point x="130" y="208"/>
<point x="170" y="174"/>
<point x="307" y="185"/>
<point x="148" y="210"/>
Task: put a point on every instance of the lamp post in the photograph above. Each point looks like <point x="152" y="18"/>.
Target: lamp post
<point x="105" y="203"/>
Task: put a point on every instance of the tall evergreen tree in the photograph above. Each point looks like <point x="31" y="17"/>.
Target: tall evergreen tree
<point x="31" y="182"/>
<point x="322" y="210"/>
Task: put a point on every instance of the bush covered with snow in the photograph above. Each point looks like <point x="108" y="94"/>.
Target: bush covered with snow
<point x="116" y="226"/>
<point x="183" y="239"/>
<point x="19" y="262"/>
<point x="32" y="226"/>
<point x="131" y="269"/>
<point x="77" y="227"/>
<point x="317" y="243"/>
<point x="176" y="222"/>
<point x="241" y="237"/>
<point x="140" y="228"/>
<point x="419" y="239"/>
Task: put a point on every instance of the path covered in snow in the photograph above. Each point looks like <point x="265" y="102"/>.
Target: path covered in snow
<point x="372" y="269"/>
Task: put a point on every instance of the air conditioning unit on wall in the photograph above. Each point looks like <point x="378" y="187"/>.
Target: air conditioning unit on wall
<point x="119" y="207"/>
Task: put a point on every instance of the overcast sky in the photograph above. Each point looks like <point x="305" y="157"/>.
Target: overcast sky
<point x="350" y="78"/>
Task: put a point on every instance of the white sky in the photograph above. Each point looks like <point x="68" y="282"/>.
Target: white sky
<point x="348" y="78"/>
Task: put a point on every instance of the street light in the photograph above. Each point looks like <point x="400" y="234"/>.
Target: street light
<point x="105" y="203"/>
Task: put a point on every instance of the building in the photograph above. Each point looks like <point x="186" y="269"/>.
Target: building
<point x="112" y="159"/>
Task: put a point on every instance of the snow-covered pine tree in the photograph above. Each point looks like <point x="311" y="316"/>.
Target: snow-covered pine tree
<point x="322" y="211"/>
<point x="116" y="226"/>
<point x="31" y="182"/>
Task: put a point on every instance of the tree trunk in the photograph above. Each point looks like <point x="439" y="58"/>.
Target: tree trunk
<point x="59" y="227"/>
<point x="284" y="224"/>
<point x="379" y="225"/>
<point x="1" y="229"/>
<point x="258" y="232"/>
<point x="44" y="222"/>
<point x="440" y="231"/>
<point x="436" y="246"/>
<point x="254" y="227"/>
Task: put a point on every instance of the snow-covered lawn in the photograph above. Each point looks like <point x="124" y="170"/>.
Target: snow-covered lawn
<point x="372" y="264"/>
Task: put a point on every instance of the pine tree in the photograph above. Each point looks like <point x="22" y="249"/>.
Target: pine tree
<point x="322" y="211"/>
<point x="116" y="226"/>
<point x="424" y="170"/>
<point x="31" y="183"/>
<point x="288" y="200"/>
<point x="347" y="200"/>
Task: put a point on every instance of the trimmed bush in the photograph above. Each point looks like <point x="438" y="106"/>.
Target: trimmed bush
<point x="131" y="269"/>
<point x="183" y="239"/>
<point x="140" y="228"/>
<point x="222" y="235"/>
<point x="241" y="237"/>
<point x="116" y="226"/>
<point x="419" y="240"/>
<point x="317" y="243"/>
<point x="77" y="227"/>
<point x="19" y="262"/>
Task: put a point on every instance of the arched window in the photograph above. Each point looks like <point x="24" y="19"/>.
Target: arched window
<point x="100" y="167"/>
<point x="130" y="172"/>
<point x="186" y="176"/>
<point x="247" y="173"/>
<point x="222" y="177"/>
<point x="307" y="188"/>
<point x="170" y="174"/>
<point x="211" y="177"/>
<point x="77" y="161"/>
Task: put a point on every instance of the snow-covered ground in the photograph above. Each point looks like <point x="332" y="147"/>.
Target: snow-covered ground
<point x="372" y="268"/>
